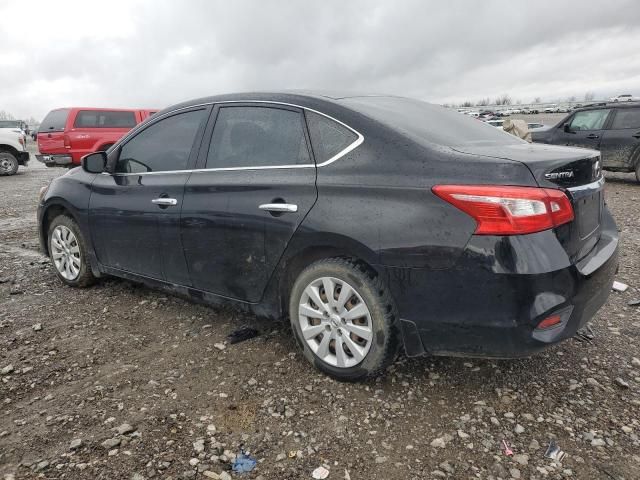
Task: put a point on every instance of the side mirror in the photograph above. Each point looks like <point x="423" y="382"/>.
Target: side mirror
<point x="567" y="128"/>
<point x="94" y="162"/>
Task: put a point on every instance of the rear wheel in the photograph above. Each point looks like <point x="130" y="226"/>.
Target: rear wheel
<point x="8" y="163"/>
<point x="68" y="252"/>
<point x="344" y="319"/>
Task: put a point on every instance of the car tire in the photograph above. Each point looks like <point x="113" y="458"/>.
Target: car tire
<point x="68" y="252"/>
<point x="337" y="349"/>
<point x="8" y="163"/>
<point x="638" y="170"/>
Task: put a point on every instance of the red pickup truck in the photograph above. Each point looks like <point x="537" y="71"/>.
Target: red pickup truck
<point x="67" y="134"/>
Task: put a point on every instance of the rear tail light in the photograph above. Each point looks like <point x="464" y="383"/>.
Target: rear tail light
<point x="502" y="210"/>
<point x="67" y="141"/>
<point x="549" y="322"/>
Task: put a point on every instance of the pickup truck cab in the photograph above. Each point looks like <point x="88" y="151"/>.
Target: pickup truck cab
<point x="12" y="151"/>
<point x="67" y="134"/>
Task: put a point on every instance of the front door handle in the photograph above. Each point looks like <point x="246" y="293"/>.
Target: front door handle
<point x="165" y="202"/>
<point x="592" y="136"/>
<point x="279" y="207"/>
<point x="636" y="135"/>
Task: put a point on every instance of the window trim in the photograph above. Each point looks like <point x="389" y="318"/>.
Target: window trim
<point x="160" y="117"/>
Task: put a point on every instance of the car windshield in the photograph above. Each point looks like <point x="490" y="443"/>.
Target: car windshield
<point x="431" y="123"/>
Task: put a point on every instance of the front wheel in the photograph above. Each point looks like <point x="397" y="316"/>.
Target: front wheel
<point x="68" y="252"/>
<point x="344" y="319"/>
<point x="8" y="163"/>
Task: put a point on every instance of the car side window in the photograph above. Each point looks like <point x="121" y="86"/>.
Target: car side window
<point x="626" y="118"/>
<point x="257" y="137"/>
<point x="589" y="120"/>
<point x="163" y="146"/>
<point x="104" y="119"/>
<point x="328" y="137"/>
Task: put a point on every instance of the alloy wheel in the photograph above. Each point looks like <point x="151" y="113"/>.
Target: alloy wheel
<point x="65" y="252"/>
<point x="335" y="322"/>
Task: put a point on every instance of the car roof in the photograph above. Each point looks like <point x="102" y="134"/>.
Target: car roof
<point x="303" y="98"/>
<point x="601" y="105"/>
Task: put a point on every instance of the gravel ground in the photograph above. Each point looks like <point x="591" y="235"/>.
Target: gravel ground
<point x="122" y="382"/>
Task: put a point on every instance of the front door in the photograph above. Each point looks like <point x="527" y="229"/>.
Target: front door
<point x="620" y="146"/>
<point x="256" y="185"/>
<point x="134" y="212"/>
<point x="583" y="129"/>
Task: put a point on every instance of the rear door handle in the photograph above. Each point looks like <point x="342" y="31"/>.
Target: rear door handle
<point x="279" y="207"/>
<point x="592" y="136"/>
<point x="165" y="202"/>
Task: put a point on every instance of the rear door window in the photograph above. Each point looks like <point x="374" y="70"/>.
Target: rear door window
<point x="626" y="118"/>
<point x="54" y="121"/>
<point x="104" y="119"/>
<point x="163" y="146"/>
<point x="328" y="138"/>
<point x="257" y="137"/>
<point x="589" y="120"/>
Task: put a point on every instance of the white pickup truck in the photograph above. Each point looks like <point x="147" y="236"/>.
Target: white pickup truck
<point x="13" y="152"/>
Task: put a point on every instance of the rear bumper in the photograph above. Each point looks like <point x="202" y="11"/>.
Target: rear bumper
<point x="490" y="304"/>
<point x="55" y="160"/>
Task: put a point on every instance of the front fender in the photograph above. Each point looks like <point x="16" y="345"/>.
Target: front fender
<point x="68" y="195"/>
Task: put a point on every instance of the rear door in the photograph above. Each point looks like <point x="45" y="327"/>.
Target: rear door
<point x="584" y="129"/>
<point x="620" y="146"/>
<point x="51" y="132"/>
<point x="255" y="186"/>
<point x="134" y="213"/>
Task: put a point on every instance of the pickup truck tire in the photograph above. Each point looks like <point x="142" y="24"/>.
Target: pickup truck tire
<point x="8" y="163"/>
<point x="68" y="252"/>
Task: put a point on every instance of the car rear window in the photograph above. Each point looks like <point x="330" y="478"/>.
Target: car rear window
<point x="626" y="118"/>
<point x="432" y="123"/>
<point x="54" y="121"/>
<point x="328" y="137"/>
<point x="104" y="119"/>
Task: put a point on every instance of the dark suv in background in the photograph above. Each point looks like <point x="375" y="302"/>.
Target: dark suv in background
<point x="612" y="128"/>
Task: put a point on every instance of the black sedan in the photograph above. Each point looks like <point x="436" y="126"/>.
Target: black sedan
<point x="371" y="222"/>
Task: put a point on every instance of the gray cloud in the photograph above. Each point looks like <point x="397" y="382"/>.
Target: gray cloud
<point x="154" y="53"/>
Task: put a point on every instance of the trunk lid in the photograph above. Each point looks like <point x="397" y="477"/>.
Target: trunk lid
<point x="577" y="171"/>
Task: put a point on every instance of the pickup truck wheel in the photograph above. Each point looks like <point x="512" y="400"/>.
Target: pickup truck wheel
<point x="344" y="319"/>
<point x="68" y="252"/>
<point x="8" y="163"/>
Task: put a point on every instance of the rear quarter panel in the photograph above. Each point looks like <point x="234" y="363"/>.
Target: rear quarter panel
<point x="379" y="195"/>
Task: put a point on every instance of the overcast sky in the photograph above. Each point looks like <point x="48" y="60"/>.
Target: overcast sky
<point x="157" y="52"/>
